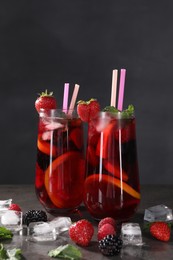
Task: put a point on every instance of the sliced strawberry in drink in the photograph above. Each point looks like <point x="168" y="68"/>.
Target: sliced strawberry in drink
<point x="46" y="147"/>
<point x="126" y="133"/>
<point x="93" y="135"/>
<point x="39" y="180"/>
<point x="106" y="141"/>
<point x="92" y="158"/>
<point x="92" y="182"/>
<point x="115" y="170"/>
<point x="76" y="137"/>
<point x="64" y="180"/>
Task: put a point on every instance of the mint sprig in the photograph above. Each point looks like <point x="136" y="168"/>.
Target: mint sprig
<point x="5" y="233"/>
<point x="65" y="252"/>
<point x="125" y="113"/>
<point x="10" y="254"/>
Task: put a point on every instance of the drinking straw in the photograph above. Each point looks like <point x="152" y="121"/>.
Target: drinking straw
<point x="73" y="99"/>
<point x="65" y="98"/>
<point x="121" y="89"/>
<point x="114" y="87"/>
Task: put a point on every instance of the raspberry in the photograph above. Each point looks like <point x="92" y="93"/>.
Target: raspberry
<point x="107" y="220"/>
<point x="110" y="245"/>
<point x="81" y="232"/>
<point x="106" y="229"/>
<point x="14" y="207"/>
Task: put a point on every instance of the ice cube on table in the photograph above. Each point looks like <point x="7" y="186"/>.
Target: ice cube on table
<point x="131" y="234"/>
<point x="12" y="220"/>
<point x="5" y="204"/>
<point x="41" y="231"/>
<point x="158" y="213"/>
<point x="61" y="224"/>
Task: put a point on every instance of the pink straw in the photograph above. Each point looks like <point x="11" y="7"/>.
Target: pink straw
<point x="65" y="99"/>
<point x="114" y="87"/>
<point x="121" y="89"/>
<point x="73" y="99"/>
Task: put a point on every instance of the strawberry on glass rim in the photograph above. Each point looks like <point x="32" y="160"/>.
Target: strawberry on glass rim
<point x="87" y="110"/>
<point x="46" y="100"/>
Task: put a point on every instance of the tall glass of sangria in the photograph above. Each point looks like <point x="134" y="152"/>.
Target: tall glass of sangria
<point x="112" y="178"/>
<point x="60" y="162"/>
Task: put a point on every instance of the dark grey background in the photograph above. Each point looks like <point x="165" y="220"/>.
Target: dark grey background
<point x="44" y="44"/>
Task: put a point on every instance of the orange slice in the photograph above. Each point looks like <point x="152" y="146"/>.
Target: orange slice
<point x="45" y="147"/>
<point x="105" y="178"/>
<point x="64" y="180"/>
<point x="115" y="170"/>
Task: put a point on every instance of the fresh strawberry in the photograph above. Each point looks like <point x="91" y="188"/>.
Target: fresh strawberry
<point x="14" y="207"/>
<point x="107" y="220"/>
<point x="106" y="229"/>
<point x="160" y="230"/>
<point x="88" y="109"/>
<point x="81" y="232"/>
<point x="46" y="101"/>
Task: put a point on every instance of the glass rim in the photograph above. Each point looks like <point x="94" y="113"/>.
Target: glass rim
<point x="118" y="115"/>
<point x="58" y="113"/>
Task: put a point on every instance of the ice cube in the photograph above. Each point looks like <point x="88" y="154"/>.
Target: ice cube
<point x="54" y="125"/>
<point x="12" y="220"/>
<point x="4" y="204"/>
<point x="158" y="213"/>
<point x="41" y="231"/>
<point x="60" y="224"/>
<point x="103" y="122"/>
<point x="131" y="234"/>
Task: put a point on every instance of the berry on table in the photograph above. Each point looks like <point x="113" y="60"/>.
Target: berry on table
<point x="107" y="220"/>
<point x="14" y="207"/>
<point x="34" y="216"/>
<point x="110" y="245"/>
<point x="81" y="232"/>
<point x="106" y="229"/>
<point x="160" y="230"/>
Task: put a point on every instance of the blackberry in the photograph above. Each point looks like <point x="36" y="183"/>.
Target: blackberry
<point x="34" y="216"/>
<point x="110" y="245"/>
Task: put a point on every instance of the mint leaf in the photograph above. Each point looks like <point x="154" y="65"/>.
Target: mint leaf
<point x="10" y="254"/>
<point x="125" y="113"/>
<point x="3" y="252"/>
<point x="14" y="253"/>
<point x="5" y="233"/>
<point x="129" y="111"/>
<point x="65" y="252"/>
<point x="110" y="109"/>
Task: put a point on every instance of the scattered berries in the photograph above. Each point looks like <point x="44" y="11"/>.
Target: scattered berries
<point x="81" y="232"/>
<point x="107" y="220"/>
<point x="46" y="101"/>
<point x="88" y="109"/>
<point x="110" y="245"/>
<point x="106" y="229"/>
<point x="34" y="216"/>
<point x="160" y="230"/>
<point x="14" y="207"/>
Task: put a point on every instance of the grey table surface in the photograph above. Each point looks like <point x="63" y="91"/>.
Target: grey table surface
<point x="24" y="195"/>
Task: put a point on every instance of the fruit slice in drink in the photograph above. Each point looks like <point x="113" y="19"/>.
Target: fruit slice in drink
<point x="64" y="180"/>
<point x="105" y="195"/>
<point x="103" y="179"/>
<point x="45" y="147"/>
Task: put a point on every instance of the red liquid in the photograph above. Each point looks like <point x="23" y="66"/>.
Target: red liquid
<point x="112" y="179"/>
<point x="60" y="164"/>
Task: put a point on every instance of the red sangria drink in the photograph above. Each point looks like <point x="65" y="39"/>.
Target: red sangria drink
<point x="112" y="178"/>
<point x="60" y="163"/>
